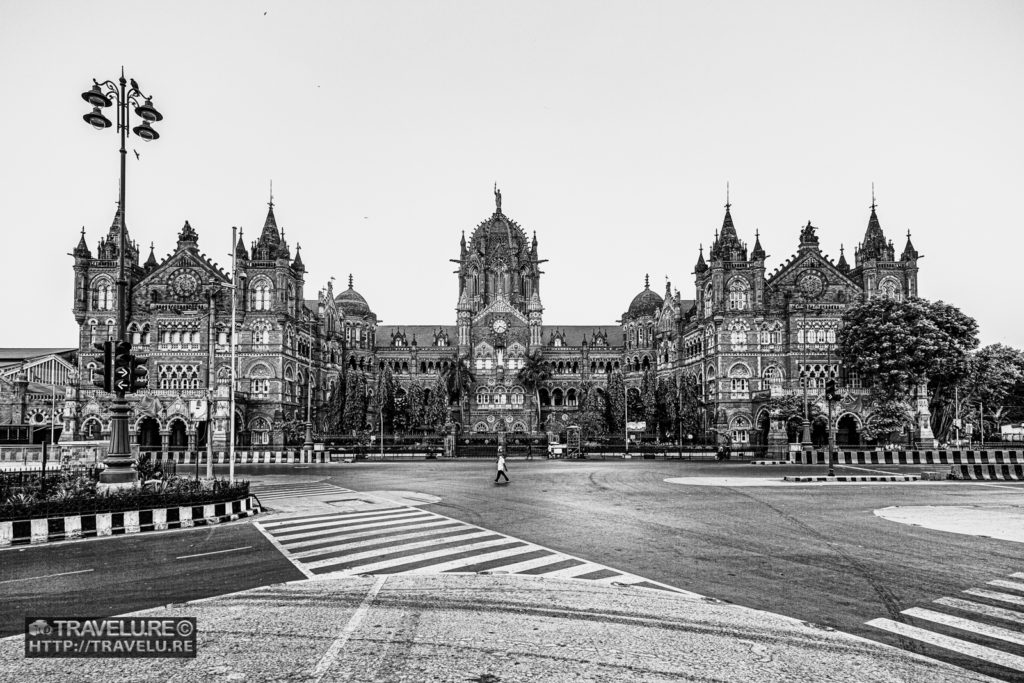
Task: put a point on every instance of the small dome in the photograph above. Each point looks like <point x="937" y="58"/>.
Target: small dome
<point x="352" y="302"/>
<point x="646" y="302"/>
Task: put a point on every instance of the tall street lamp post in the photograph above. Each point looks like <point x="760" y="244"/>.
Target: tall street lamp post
<point x="308" y="445"/>
<point x="120" y="471"/>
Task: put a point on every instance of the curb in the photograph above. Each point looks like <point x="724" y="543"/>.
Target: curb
<point x="853" y="479"/>
<point x="1004" y="472"/>
<point x="46" y="530"/>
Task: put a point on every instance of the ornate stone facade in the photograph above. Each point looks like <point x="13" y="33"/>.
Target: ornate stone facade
<point x="745" y="336"/>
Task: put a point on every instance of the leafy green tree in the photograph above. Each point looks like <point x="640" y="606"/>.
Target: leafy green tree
<point x="887" y="420"/>
<point x="667" y="407"/>
<point x="615" y="403"/>
<point x="437" y="406"/>
<point x="532" y="375"/>
<point x="415" y="408"/>
<point x="994" y="377"/>
<point x="690" y="416"/>
<point x="334" y="413"/>
<point x="401" y="423"/>
<point x="591" y="415"/>
<point x="648" y="409"/>
<point x="354" y="415"/>
<point x="385" y="396"/>
<point x="896" y="345"/>
<point x="458" y="382"/>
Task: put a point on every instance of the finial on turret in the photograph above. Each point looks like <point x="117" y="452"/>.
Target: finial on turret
<point x="271" y="202"/>
<point x="647" y="281"/>
<point x="873" y="204"/>
<point x="350" y="280"/>
<point x="727" y="204"/>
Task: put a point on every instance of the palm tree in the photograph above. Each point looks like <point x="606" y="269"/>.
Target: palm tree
<point x="532" y="375"/>
<point x="458" y="382"/>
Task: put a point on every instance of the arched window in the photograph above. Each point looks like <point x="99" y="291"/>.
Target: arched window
<point x="262" y="291"/>
<point x="708" y="300"/>
<point x="739" y="295"/>
<point x="570" y="398"/>
<point x="103" y="295"/>
<point x="740" y="430"/>
<point x="739" y="380"/>
<point x="260" y="431"/>
<point x="772" y="376"/>
<point x="260" y="375"/>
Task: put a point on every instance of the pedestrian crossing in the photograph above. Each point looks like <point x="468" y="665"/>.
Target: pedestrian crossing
<point x="400" y="539"/>
<point x="988" y="627"/>
<point x="272" y="492"/>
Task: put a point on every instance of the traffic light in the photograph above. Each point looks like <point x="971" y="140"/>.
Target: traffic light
<point x="103" y="375"/>
<point x="830" y="390"/>
<point x="139" y="375"/>
<point x="122" y="366"/>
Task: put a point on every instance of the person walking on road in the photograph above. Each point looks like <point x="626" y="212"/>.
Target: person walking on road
<point x="502" y="469"/>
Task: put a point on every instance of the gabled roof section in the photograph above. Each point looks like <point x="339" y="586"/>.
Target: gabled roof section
<point x="500" y="305"/>
<point x="807" y="259"/>
<point x="187" y="257"/>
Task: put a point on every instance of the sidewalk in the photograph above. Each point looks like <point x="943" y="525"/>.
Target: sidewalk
<point x="490" y="628"/>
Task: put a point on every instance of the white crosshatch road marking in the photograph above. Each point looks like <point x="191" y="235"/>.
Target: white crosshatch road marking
<point x="987" y="632"/>
<point x="405" y="540"/>
<point x="308" y="490"/>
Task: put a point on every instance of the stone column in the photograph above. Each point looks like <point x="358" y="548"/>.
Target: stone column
<point x="923" y="433"/>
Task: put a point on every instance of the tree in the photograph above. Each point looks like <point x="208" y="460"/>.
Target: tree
<point x="532" y="375"/>
<point x="994" y="376"/>
<point x="415" y="408"/>
<point x="615" y="403"/>
<point x="354" y="415"/>
<point x="690" y="417"/>
<point x="590" y="418"/>
<point x="385" y="396"/>
<point x="898" y="345"/>
<point x="648" y="409"/>
<point x="335" y="410"/>
<point x="436" y="412"/>
<point x="887" y="419"/>
<point x="458" y="382"/>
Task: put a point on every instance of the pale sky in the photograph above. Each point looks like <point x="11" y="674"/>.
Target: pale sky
<point x="611" y="128"/>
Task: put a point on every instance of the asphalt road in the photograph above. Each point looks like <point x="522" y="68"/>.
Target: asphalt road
<point x="118" y="574"/>
<point x="818" y="553"/>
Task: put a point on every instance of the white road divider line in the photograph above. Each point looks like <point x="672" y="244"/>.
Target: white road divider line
<point x="987" y="654"/>
<point x="979" y="628"/>
<point x="212" y="552"/>
<point x="324" y="665"/>
<point x="49" y="576"/>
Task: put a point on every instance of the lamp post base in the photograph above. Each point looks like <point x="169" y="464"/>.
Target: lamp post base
<point x="120" y="472"/>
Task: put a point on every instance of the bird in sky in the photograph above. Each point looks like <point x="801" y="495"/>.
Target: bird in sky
<point x="136" y="153"/>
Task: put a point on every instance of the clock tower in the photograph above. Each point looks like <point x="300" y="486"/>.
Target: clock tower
<point x="498" y="318"/>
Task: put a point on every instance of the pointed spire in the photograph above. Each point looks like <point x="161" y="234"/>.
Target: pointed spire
<point x="758" y="253"/>
<point x="297" y="263"/>
<point x="842" y="266"/>
<point x="909" y="253"/>
<point x="151" y="261"/>
<point x="82" y="250"/>
<point x="701" y="265"/>
<point x="240" y="252"/>
<point x="874" y="246"/>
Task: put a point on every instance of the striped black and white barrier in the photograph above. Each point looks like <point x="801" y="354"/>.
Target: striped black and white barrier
<point x="854" y="479"/>
<point x="34" y="531"/>
<point x="989" y="472"/>
<point x="912" y="457"/>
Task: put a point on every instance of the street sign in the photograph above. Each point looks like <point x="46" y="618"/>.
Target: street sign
<point x="637" y="426"/>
